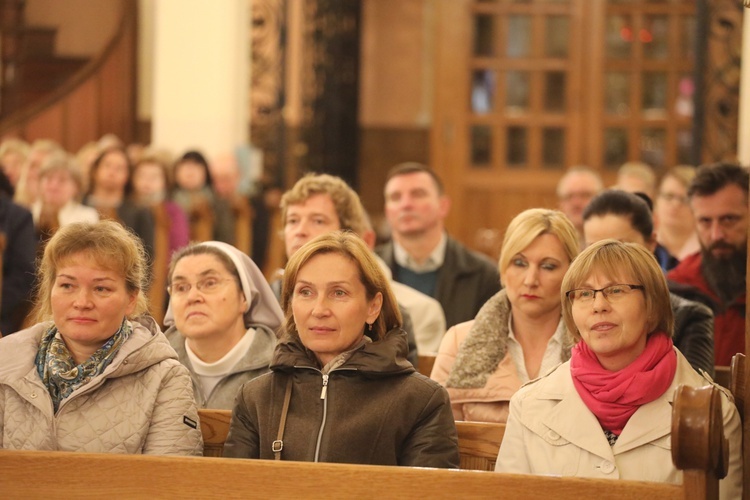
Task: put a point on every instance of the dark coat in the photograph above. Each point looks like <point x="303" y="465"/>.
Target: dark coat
<point x="694" y="332"/>
<point x="376" y="409"/>
<point x="18" y="265"/>
<point x="729" y="319"/>
<point x="141" y="221"/>
<point x="465" y="282"/>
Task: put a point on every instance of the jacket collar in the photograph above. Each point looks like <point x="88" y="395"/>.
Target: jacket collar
<point x="485" y="345"/>
<point x="383" y="358"/>
<point x="557" y="424"/>
<point x="456" y="258"/>
<point x="640" y="429"/>
<point x="459" y="259"/>
<point x="145" y="347"/>
<point x="582" y="430"/>
<point x="262" y="342"/>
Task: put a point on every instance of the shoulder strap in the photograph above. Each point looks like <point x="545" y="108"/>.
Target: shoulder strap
<point x="278" y="445"/>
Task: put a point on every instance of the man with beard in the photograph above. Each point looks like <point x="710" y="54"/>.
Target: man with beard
<point x="423" y="256"/>
<point x="719" y="201"/>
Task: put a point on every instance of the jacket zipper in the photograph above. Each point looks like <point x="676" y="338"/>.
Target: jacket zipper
<point x="324" y="397"/>
<point x="323" y="394"/>
<point x="325" y="387"/>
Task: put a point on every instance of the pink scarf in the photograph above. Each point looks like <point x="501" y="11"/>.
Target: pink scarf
<point x="614" y="396"/>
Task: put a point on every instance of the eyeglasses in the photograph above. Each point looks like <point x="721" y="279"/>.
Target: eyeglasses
<point x="669" y="197"/>
<point x="612" y="293"/>
<point x="577" y="195"/>
<point x="206" y="285"/>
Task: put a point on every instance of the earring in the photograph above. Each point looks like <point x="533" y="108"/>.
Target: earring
<point x="369" y="327"/>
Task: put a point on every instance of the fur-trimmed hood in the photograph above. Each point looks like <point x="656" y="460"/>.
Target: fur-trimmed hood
<point x="487" y="344"/>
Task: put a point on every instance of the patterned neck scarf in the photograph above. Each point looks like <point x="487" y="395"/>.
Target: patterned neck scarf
<point x="59" y="371"/>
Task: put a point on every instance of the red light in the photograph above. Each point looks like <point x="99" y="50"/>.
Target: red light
<point x="626" y="33"/>
<point x="646" y="36"/>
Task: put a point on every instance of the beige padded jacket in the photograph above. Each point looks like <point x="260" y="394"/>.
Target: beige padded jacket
<point x="142" y="402"/>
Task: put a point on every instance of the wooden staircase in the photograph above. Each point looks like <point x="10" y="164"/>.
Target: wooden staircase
<point x="30" y="67"/>
<point x="69" y="100"/>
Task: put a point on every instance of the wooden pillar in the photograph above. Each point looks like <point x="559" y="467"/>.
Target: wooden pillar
<point x="718" y="91"/>
<point x="269" y="36"/>
<point x="330" y="88"/>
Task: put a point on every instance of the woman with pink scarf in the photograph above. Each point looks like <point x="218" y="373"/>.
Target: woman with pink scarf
<point x="606" y="413"/>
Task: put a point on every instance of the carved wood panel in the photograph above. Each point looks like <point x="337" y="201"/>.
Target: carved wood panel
<point x="718" y="98"/>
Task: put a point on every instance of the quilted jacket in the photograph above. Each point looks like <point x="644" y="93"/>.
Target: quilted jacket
<point x="141" y="403"/>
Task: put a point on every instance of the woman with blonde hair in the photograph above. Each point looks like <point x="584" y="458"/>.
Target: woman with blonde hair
<point x="27" y="187"/>
<point x="340" y="387"/>
<point x="13" y="153"/>
<point x="95" y="374"/>
<point x="60" y="187"/>
<point x="518" y="335"/>
<point x="606" y="413"/>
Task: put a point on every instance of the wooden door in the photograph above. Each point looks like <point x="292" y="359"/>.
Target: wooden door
<point x="525" y="89"/>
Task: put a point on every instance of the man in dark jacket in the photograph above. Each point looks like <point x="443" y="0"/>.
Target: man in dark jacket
<point x="718" y="197"/>
<point x="423" y="256"/>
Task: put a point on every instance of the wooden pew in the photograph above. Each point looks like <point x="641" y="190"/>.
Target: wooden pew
<point x="425" y="363"/>
<point x="478" y="442"/>
<point x="737" y="383"/>
<point x="723" y="375"/>
<point x="39" y="474"/>
<point x="737" y="386"/>
<point x="30" y="474"/>
<point x="215" y="427"/>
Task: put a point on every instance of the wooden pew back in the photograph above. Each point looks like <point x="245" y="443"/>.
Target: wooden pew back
<point x="32" y="474"/>
<point x="41" y="474"/>
<point x="425" y="362"/>
<point x="478" y="442"/>
<point x="215" y="427"/>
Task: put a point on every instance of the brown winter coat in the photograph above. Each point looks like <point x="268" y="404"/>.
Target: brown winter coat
<point x="376" y="409"/>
